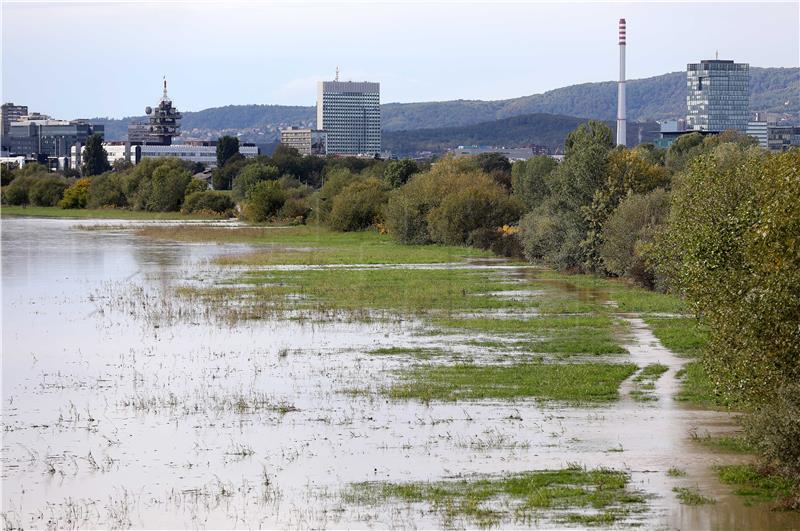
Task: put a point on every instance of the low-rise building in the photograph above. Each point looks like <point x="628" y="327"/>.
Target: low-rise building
<point x="203" y="152"/>
<point x="758" y="130"/>
<point x="783" y="137"/>
<point x="512" y="154"/>
<point x="305" y="140"/>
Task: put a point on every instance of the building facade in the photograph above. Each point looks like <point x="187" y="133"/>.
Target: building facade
<point x="718" y="96"/>
<point x="203" y="152"/>
<point x="305" y="140"/>
<point x="47" y="138"/>
<point x="783" y="137"/>
<point x="9" y="113"/>
<point x="758" y="130"/>
<point x="350" y="113"/>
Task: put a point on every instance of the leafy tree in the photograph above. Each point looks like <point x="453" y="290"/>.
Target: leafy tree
<point x="121" y="165"/>
<point x="628" y="234"/>
<point x="16" y="193"/>
<point x="160" y="185"/>
<point x="264" y="201"/>
<point x="227" y="147"/>
<point x="249" y="176"/>
<point x="47" y="191"/>
<point x="222" y="177"/>
<point x="95" y="158"/>
<point x="77" y="195"/>
<point x="358" y="206"/>
<point x="497" y="166"/>
<point x="528" y="179"/>
<point x="196" y="185"/>
<point x="108" y="190"/>
<point x="335" y="181"/>
<point x="398" y="172"/>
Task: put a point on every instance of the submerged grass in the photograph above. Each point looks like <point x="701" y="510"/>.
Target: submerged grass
<point x="578" y="382"/>
<point x="645" y="382"/>
<point x="760" y="486"/>
<point x="682" y="335"/>
<point x="692" y="496"/>
<point x="571" y="495"/>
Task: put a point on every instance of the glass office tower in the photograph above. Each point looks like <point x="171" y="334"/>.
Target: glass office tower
<point x="719" y="96"/>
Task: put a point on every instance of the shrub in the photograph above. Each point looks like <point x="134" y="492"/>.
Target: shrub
<point x="358" y="205"/>
<point x="107" y="190"/>
<point x="208" y="201"/>
<point x="398" y="172"/>
<point x="628" y="233"/>
<point x="16" y="193"/>
<point x="336" y="180"/>
<point x="196" y="185"/>
<point x="553" y="236"/>
<point x="774" y="429"/>
<point x="47" y="191"/>
<point x="481" y="205"/>
<point x="251" y="175"/>
<point x="528" y="179"/>
<point x="264" y="201"/>
<point x="77" y="195"/>
<point x="160" y="184"/>
<point x="295" y="208"/>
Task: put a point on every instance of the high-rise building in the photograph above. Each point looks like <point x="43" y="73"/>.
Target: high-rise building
<point x="621" y="113"/>
<point x="350" y="113"/>
<point x="163" y="123"/>
<point x="9" y="113"/>
<point x="719" y="96"/>
<point x="42" y="137"/>
<point x="758" y="130"/>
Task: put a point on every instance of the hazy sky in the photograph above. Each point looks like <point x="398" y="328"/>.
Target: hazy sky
<point x="84" y="59"/>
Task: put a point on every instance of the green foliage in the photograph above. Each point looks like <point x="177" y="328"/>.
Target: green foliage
<point x="107" y="190"/>
<point x="263" y="202"/>
<point x="208" y="201"/>
<point x="336" y="180"/>
<point x="77" y="195"/>
<point x="398" y="172"/>
<point x="95" y="158"/>
<point x="227" y="147"/>
<point x="222" y="177"/>
<point x="160" y="184"/>
<point x="497" y="166"/>
<point x="47" y="190"/>
<point x="358" y="206"/>
<point x="249" y="176"/>
<point x="528" y="179"/>
<point x="16" y="193"/>
<point x="196" y="185"/>
<point x="774" y="430"/>
<point x="628" y="235"/>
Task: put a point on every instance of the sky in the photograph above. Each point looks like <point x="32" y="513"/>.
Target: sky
<point x="107" y="58"/>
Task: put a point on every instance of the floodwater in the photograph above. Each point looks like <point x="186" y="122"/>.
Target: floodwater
<point x="114" y="420"/>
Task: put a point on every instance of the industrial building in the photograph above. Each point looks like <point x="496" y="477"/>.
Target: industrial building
<point x="305" y="140"/>
<point x="350" y="113"/>
<point x="718" y="96"/>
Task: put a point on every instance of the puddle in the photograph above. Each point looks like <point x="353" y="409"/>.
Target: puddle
<point x="115" y="421"/>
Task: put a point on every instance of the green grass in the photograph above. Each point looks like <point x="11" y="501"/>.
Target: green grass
<point x="736" y="444"/>
<point x="756" y="485"/>
<point x="601" y="496"/>
<point x="415" y="352"/>
<point x="579" y="382"/>
<point x="97" y="213"/>
<point x="692" y="496"/>
<point x="314" y="245"/>
<point x="682" y="335"/>
<point x="675" y="472"/>
<point x="697" y="387"/>
<point x="645" y="381"/>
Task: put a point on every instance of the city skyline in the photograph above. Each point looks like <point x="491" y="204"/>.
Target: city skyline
<point x="452" y="52"/>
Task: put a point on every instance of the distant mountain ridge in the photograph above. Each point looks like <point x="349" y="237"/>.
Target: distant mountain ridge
<point x="653" y="98"/>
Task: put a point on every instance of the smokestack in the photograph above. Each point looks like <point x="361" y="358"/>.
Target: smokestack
<point x="621" y="124"/>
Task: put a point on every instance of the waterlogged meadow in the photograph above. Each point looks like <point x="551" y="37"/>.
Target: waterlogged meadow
<point x="211" y="375"/>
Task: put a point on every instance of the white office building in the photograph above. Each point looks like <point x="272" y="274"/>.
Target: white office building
<point x="133" y="153"/>
<point x="350" y="113"/>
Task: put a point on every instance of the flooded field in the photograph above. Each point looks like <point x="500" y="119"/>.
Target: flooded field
<point x="144" y="385"/>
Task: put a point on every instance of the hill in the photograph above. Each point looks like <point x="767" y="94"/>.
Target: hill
<point x="771" y="89"/>
<point x="538" y="129"/>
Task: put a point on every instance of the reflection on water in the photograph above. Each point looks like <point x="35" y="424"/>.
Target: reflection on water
<point x="114" y="421"/>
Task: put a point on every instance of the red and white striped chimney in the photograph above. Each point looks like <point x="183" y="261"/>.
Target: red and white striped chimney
<point x="621" y="122"/>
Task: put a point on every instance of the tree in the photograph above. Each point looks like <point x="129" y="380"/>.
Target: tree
<point x="227" y="147"/>
<point x="95" y="158"/>
<point x="47" y="191"/>
<point x="497" y="166"/>
<point x="398" y="172"/>
<point x="264" y="201"/>
<point x="358" y="206"/>
<point x="208" y="201"/>
<point x="528" y="179"/>
<point x="222" y="177"/>
<point x="77" y="195"/>
<point x="249" y="176"/>
<point x="108" y="190"/>
<point x="159" y="184"/>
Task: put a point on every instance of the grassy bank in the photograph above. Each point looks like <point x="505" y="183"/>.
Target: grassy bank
<point x="96" y="213"/>
<point x="571" y="496"/>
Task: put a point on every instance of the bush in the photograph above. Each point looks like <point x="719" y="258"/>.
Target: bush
<point x="553" y="236"/>
<point x="264" y="201"/>
<point x="398" y="172"/>
<point x="774" y="430"/>
<point x="108" y="190"/>
<point x="482" y="205"/>
<point x="336" y="180"/>
<point x="208" y="201"/>
<point x="295" y="208"/>
<point x="47" y="191"/>
<point x="77" y="195"/>
<point x="160" y="184"/>
<point x="16" y="193"/>
<point x="251" y="175"/>
<point x="358" y="205"/>
<point x="196" y="185"/>
<point x="628" y="233"/>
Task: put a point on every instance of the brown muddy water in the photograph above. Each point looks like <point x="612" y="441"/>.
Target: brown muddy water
<point x="114" y="420"/>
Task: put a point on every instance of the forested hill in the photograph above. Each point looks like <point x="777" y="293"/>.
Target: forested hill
<point x="539" y="129"/>
<point x="771" y="89"/>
